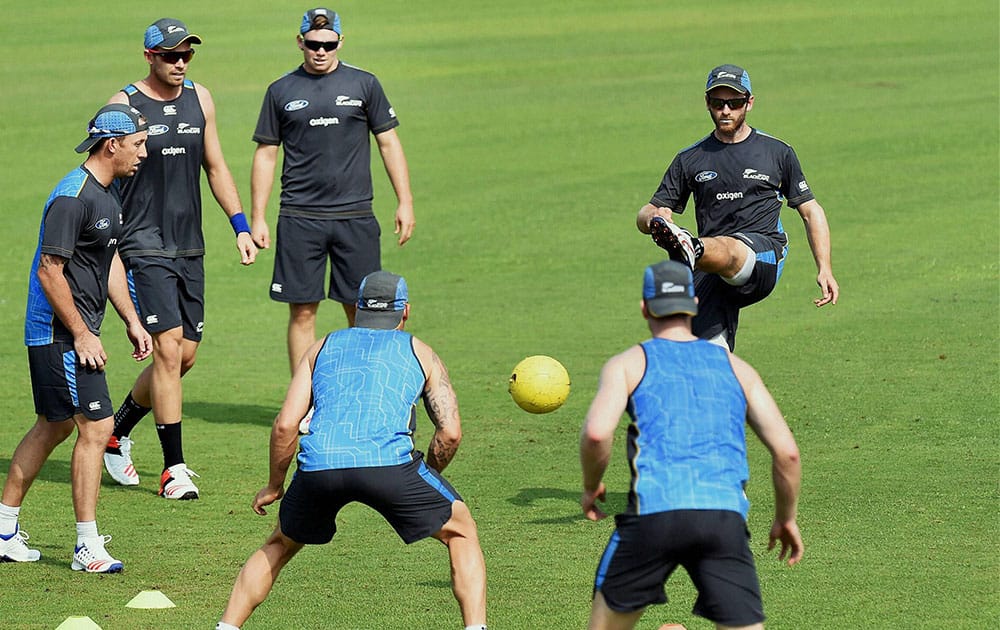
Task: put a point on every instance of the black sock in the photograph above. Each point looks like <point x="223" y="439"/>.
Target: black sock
<point x="170" y="441"/>
<point x="127" y="416"/>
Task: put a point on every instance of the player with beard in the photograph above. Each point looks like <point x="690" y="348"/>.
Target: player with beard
<point x="163" y="247"/>
<point x="739" y="177"/>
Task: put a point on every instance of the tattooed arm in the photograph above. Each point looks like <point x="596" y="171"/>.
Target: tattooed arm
<point x="442" y="408"/>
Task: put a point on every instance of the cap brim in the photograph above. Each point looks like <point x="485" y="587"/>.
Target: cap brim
<point x="383" y="320"/>
<point x="742" y="89"/>
<point x="190" y="37"/>
<point x="665" y="306"/>
<point x="87" y="144"/>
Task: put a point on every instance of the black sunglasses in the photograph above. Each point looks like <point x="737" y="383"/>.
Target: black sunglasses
<point x="733" y="103"/>
<point x="312" y="44"/>
<point x="173" y="56"/>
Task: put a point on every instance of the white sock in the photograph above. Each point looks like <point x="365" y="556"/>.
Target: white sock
<point x="225" y="626"/>
<point x="8" y="519"/>
<point x="84" y="530"/>
<point x="476" y="626"/>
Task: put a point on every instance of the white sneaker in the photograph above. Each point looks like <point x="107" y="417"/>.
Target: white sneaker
<point x="175" y="483"/>
<point x="306" y="421"/>
<point x="675" y="239"/>
<point x="14" y="549"/>
<point x="120" y="466"/>
<point x="92" y="557"/>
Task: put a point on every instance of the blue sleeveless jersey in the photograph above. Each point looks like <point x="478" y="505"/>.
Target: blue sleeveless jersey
<point x="365" y="387"/>
<point x="686" y="442"/>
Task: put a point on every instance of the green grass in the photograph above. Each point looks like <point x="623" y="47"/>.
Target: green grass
<point x="534" y="132"/>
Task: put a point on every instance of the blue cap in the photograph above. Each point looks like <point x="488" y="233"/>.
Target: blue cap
<point x="112" y="121"/>
<point x="332" y="22"/>
<point x="168" y="33"/>
<point x="668" y="289"/>
<point x="729" y="75"/>
<point x="381" y="300"/>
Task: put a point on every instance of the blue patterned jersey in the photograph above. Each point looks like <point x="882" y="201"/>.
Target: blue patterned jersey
<point x="365" y="387"/>
<point x="686" y="442"/>
<point x="81" y="222"/>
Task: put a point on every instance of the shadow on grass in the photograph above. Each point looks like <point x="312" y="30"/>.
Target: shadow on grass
<point x="227" y="413"/>
<point x="530" y="497"/>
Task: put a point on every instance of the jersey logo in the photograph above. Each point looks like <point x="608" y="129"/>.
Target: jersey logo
<point x="169" y="110"/>
<point x="751" y="173"/>
<point x="102" y="224"/>
<point x="187" y="128"/>
<point x="152" y="319"/>
<point x="347" y="101"/>
<point x="803" y="186"/>
<point x="705" y="176"/>
<point x="158" y="130"/>
<point x="392" y="112"/>
<point x="293" y="106"/>
<point x="324" y="122"/>
<point x="94" y="405"/>
<point x="173" y="151"/>
<point x="730" y="196"/>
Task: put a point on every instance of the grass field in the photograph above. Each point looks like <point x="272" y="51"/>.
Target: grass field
<point x="534" y="131"/>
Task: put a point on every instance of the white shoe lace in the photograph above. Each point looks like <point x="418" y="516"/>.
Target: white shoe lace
<point x="92" y="545"/>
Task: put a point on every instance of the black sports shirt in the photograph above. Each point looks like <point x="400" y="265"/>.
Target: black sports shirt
<point x="323" y="122"/>
<point x="737" y="187"/>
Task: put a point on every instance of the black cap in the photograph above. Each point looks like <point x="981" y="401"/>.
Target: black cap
<point x="729" y="75"/>
<point x="668" y="289"/>
<point x="381" y="300"/>
<point x="168" y="33"/>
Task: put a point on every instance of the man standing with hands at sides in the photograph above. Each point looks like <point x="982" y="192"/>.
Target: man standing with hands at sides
<point x="163" y="247"/>
<point x="322" y="113"/>
<point x="739" y="177"/>
<point x="360" y="448"/>
<point x="76" y="270"/>
<point x="689" y="401"/>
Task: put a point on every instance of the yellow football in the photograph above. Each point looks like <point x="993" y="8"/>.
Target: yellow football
<point x="539" y="384"/>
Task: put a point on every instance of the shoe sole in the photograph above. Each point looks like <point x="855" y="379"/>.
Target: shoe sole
<point x="190" y="495"/>
<point x="9" y="559"/>
<point x="115" y="568"/>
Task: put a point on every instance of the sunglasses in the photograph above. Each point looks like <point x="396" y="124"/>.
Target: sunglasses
<point x="312" y="44"/>
<point x="172" y="56"/>
<point x="732" y="103"/>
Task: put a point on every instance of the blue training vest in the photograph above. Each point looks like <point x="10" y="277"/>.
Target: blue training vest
<point x="365" y="387"/>
<point x="687" y="442"/>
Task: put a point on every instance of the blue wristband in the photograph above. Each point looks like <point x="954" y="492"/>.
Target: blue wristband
<point x="239" y="223"/>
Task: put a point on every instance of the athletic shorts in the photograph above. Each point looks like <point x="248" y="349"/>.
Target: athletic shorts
<point x="712" y="546"/>
<point x="414" y="498"/>
<point x="719" y="303"/>
<point x="169" y="292"/>
<point x="63" y="388"/>
<point x="303" y="247"/>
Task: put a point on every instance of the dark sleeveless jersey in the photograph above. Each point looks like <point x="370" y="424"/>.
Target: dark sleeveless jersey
<point x="737" y="187"/>
<point x="323" y="122"/>
<point x="162" y="203"/>
<point x="81" y="222"/>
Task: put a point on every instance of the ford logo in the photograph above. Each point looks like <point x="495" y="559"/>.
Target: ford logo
<point x="157" y="130"/>
<point x="103" y="224"/>
<point x="705" y="176"/>
<point x="296" y="105"/>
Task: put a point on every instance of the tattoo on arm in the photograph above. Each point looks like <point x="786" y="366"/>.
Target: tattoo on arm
<point x="442" y="408"/>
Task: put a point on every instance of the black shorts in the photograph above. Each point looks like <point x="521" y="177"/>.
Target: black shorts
<point x="414" y="498"/>
<point x="719" y="303"/>
<point x="712" y="546"/>
<point x="169" y="292"/>
<point x="63" y="388"/>
<point x="303" y="247"/>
